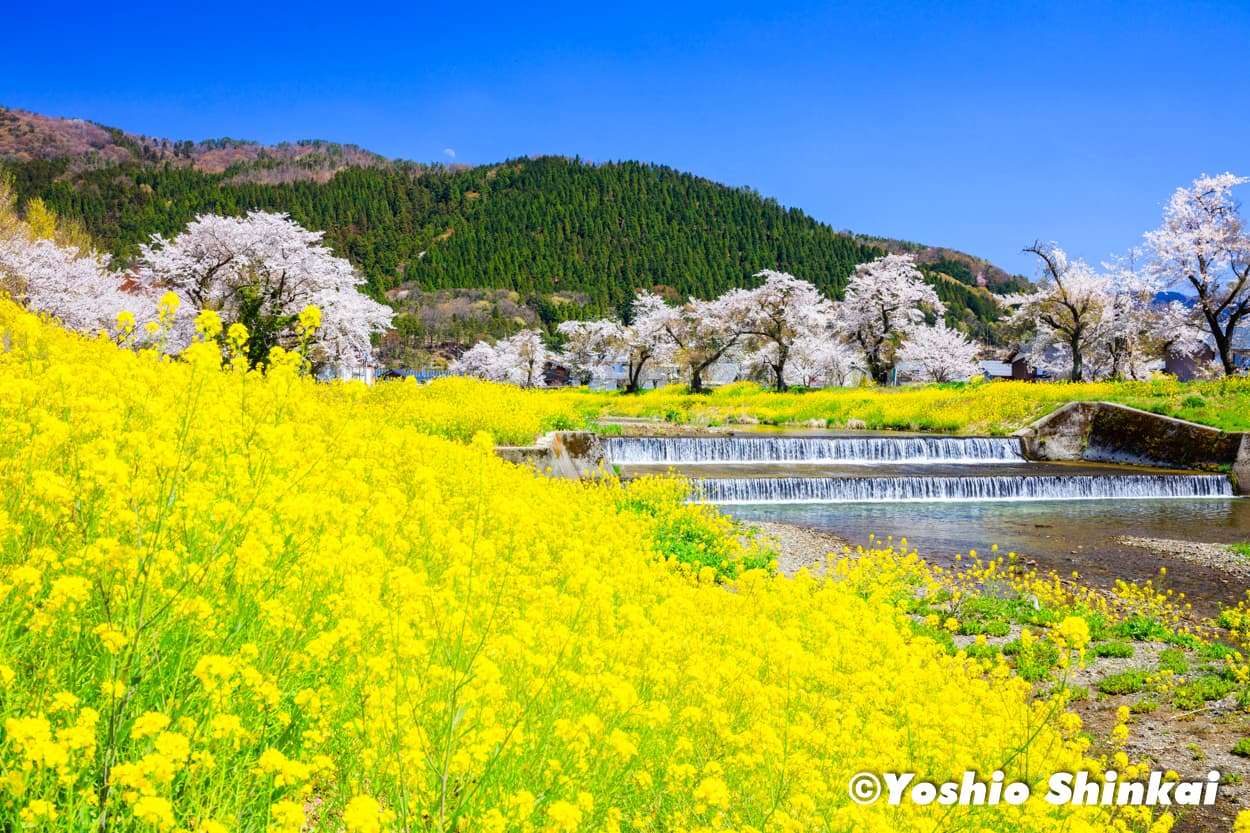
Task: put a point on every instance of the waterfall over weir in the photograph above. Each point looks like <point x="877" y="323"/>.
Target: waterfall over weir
<point x="845" y="450"/>
<point x="870" y="469"/>
<point x="987" y="488"/>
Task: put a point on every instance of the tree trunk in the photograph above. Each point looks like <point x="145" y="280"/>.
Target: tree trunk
<point x="635" y="375"/>
<point x="696" y="380"/>
<point x="780" y="369"/>
<point x="1224" y="344"/>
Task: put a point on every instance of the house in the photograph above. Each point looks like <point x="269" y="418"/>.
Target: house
<point x="364" y="372"/>
<point x="1187" y="367"/>
<point x="1240" y="348"/>
<point x="1013" y="366"/>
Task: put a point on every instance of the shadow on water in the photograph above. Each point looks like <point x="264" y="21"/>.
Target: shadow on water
<point x="1060" y="536"/>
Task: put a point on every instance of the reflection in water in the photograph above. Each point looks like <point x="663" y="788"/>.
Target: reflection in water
<point x="1063" y="536"/>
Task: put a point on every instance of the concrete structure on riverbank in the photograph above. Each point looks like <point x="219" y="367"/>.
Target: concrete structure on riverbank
<point x="569" y="454"/>
<point x="1104" y="432"/>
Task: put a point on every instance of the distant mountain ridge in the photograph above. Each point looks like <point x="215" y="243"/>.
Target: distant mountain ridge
<point x="26" y="137"/>
<point x="568" y="238"/>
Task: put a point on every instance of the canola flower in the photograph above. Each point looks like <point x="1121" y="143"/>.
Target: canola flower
<point x="235" y="600"/>
<point x="973" y="408"/>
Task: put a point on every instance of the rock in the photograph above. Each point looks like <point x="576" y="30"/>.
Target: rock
<point x="816" y="423"/>
<point x="856" y="424"/>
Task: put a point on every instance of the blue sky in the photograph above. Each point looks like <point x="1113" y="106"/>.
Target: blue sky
<point x="976" y="126"/>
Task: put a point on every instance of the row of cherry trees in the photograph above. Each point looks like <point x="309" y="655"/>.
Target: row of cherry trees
<point x="1106" y="323"/>
<point x="784" y="331"/>
<point x="1079" y="322"/>
<point x="260" y="270"/>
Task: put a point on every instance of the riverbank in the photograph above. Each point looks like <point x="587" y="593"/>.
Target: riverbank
<point x="1218" y="557"/>
<point x="1185" y="716"/>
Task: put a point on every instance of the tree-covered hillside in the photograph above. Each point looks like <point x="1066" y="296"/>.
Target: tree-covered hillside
<point x="543" y="228"/>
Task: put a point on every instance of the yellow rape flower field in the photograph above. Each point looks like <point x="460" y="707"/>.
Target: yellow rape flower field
<point x="234" y="601"/>
<point x="994" y="408"/>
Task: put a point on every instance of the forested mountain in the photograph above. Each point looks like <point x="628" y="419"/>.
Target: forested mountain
<point x="566" y="236"/>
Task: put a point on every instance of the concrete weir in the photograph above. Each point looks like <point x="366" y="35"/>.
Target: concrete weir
<point x="1104" y="432"/>
<point x="568" y="454"/>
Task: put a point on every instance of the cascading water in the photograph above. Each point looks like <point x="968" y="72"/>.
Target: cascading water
<point x="846" y="450"/>
<point x="898" y="489"/>
<point x="787" y="469"/>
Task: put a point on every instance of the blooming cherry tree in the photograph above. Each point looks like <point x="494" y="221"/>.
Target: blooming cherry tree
<point x="478" y="361"/>
<point x="76" y="288"/>
<point x="701" y="333"/>
<point x="943" y="354"/>
<point x="779" y="314"/>
<point x="261" y="270"/>
<point x="520" y="359"/>
<point x="884" y="300"/>
<point x="1067" y="308"/>
<point x="1204" y="245"/>
<point x="591" y="348"/>
<point x="820" y="362"/>
<point x="517" y="360"/>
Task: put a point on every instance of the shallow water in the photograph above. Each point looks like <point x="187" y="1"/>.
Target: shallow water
<point x="1063" y="536"/>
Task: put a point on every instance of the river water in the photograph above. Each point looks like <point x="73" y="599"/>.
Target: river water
<point x="950" y="495"/>
<point x="1063" y="536"/>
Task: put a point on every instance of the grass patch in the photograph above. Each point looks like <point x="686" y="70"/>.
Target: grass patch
<point x="1216" y="651"/>
<point x="1196" y="693"/>
<point x="1141" y="628"/>
<point x="1126" y="682"/>
<point x="1174" y="660"/>
<point x="1119" y="650"/>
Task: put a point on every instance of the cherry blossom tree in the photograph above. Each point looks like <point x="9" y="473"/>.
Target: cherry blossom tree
<point x="517" y="360"/>
<point x="819" y="361"/>
<point x="1066" y="309"/>
<point x="591" y="348"/>
<point x="646" y="339"/>
<point x="521" y="359"/>
<point x="701" y="333"/>
<point x="1123" y="342"/>
<point x="479" y="361"/>
<point x="348" y="321"/>
<point x="1176" y="332"/>
<point x="262" y="270"/>
<point x="77" y="288"/>
<point x="774" y="317"/>
<point x="49" y="266"/>
<point x="943" y="354"/>
<point x="1204" y="244"/>
<point x="884" y="300"/>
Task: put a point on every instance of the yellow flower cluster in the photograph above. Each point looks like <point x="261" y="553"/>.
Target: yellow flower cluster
<point x="974" y="408"/>
<point x="234" y="601"/>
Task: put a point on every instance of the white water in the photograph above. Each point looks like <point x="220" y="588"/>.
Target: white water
<point x="988" y="488"/>
<point x="847" y="450"/>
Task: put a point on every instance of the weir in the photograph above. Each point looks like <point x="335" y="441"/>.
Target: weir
<point x="838" y="469"/>
<point x="845" y="450"/>
<point x="988" y="488"/>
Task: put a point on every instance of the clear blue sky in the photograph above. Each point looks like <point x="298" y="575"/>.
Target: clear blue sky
<point x="977" y="126"/>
